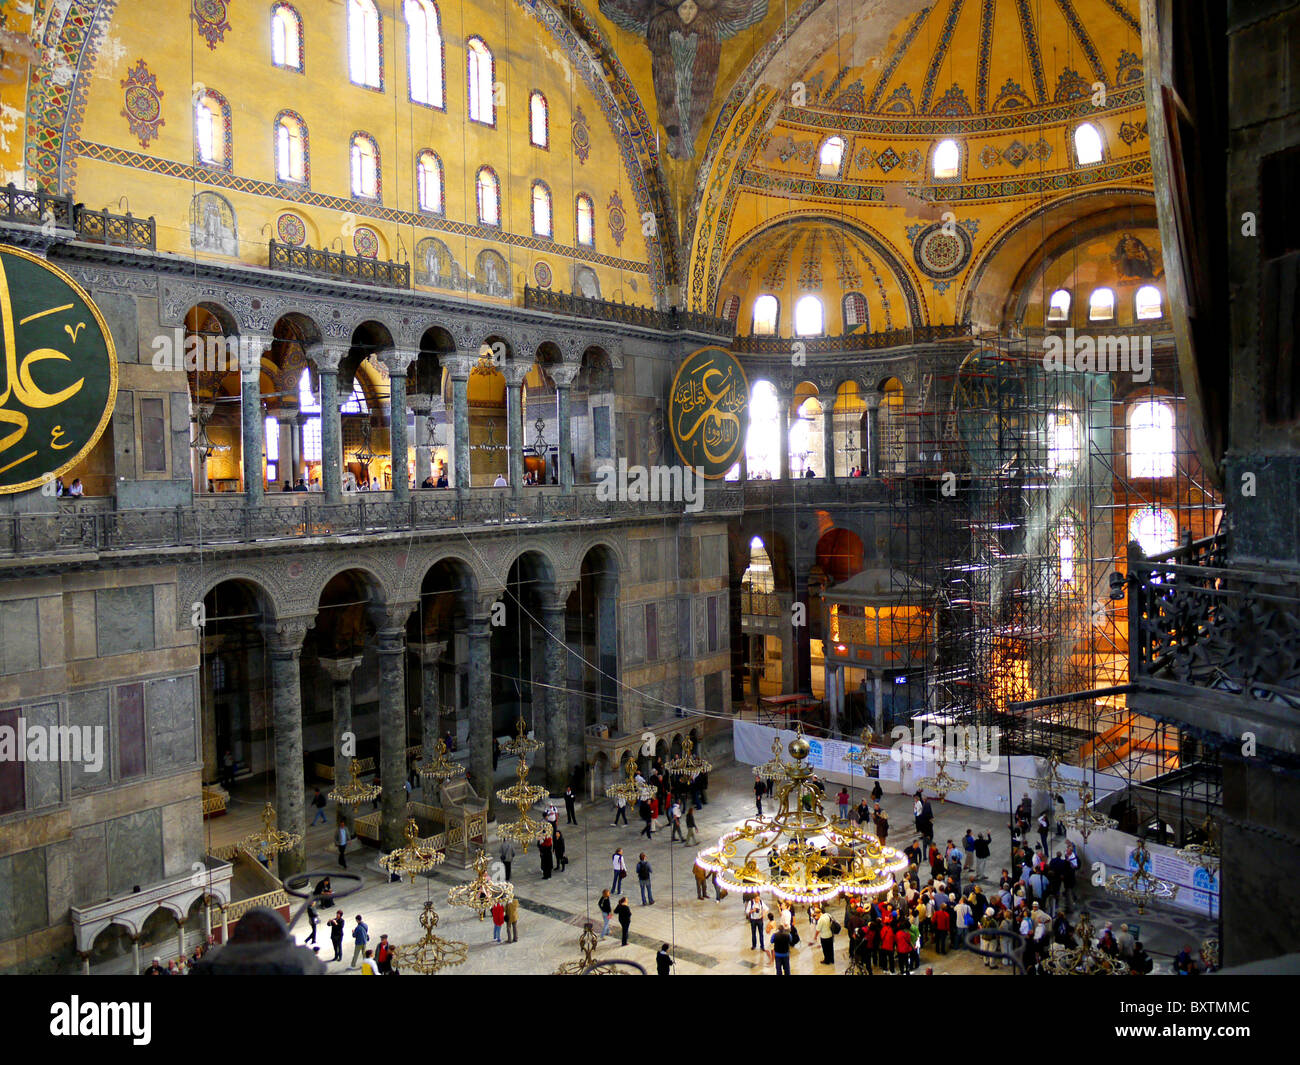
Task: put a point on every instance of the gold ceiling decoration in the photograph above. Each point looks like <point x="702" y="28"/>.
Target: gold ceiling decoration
<point x="270" y="840"/>
<point x="522" y="796"/>
<point x="441" y="768"/>
<point x="414" y="858"/>
<point x="688" y="764"/>
<point x="481" y="893"/>
<point x="354" y="792"/>
<point x="799" y="854"/>
<point x="431" y="953"/>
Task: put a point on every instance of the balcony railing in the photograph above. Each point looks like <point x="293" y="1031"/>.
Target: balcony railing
<point x="543" y="299"/>
<point x="323" y="263"/>
<point x="34" y="207"/>
<point x="1195" y="621"/>
<point x="117" y="230"/>
<point x="851" y="342"/>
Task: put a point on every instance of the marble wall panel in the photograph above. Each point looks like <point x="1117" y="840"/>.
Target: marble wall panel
<point x="134" y="847"/>
<point x="124" y="620"/>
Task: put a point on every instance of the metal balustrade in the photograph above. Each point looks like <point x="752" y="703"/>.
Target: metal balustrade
<point x="324" y="263"/>
<point x="543" y="299"/>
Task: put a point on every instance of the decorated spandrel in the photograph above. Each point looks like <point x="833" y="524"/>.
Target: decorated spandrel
<point x="59" y="379"/>
<point x="708" y="411"/>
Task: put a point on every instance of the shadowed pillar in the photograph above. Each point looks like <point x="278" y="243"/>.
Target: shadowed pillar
<point x="250" y="409"/>
<point x="339" y="671"/>
<point x="479" y="631"/>
<point x="284" y="645"/>
<point x="398" y="362"/>
<point x="555" y="699"/>
<point x="392" y="726"/>
<point x="431" y="662"/>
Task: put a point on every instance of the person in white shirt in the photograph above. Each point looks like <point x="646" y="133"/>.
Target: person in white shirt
<point x="754" y="911"/>
<point x="370" y="967"/>
<point x="500" y="482"/>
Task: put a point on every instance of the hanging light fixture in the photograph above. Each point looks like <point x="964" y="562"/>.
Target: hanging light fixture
<point x="522" y="796"/>
<point x="356" y="791"/>
<point x="1086" y="820"/>
<point x="687" y="764"/>
<point x="587" y="943"/>
<point x="440" y="768"/>
<point x="864" y="757"/>
<point x="1052" y="782"/>
<point x="522" y="744"/>
<point x="202" y="443"/>
<point x="431" y="953"/>
<point x="1141" y="886"/>
<point x="798" y="854"/>
<point x="270" y="840"/>
<point x="414" y="858"/>
<point x="942" y="784"/>
<point x="631" y="790"/>
<point x="1085" y="959"/>
<point x="481" y="893"/>
<point x="775" y="767"/>
<point x="1206" y="854"/>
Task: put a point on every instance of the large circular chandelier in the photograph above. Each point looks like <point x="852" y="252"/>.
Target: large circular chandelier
<point x="630" y="790"/>
<point x="864" y="757"/>
<point x="440" y="768"/>
<point x="522" y="796"/>
<point x="270" y="840"/>
<point x="1141" y="886"/>
<point x="1052" y="782"/>
<point x="799" y="854"/>
<point x="522" y="744"/>
<point x="355" y="791"/>
<point x="1204" y="854"/>
<point x="1085" y="959"/>
<point x="481" y="893"/>
<point x="1086" y="820"/>
<point x="774" y="768"/>
<point x="941" y="783"/>
<point x="431" y="953"/>
<point x="688" y="764"/>
<point x="414" y="858"/>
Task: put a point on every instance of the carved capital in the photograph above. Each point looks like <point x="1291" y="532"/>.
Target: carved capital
<point x="460" y="365"/>
<point x="391" y="641"/>
<point x="339" y="670"/>
<point x="397" y="360"/>
<point x="515" y="373"/>
<point x="285" y="635"/>
<point x="389" y="617"/>
<point x="563" y="373"/>
<point x="326" y="357"/>
<point x="432" y="652"/>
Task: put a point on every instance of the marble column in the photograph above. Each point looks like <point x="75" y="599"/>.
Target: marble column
<point x="135" y="955"/>
<point x="564" y="450"/>
<point x="284" y="644"/>
<point x="423" y="453"/>
<point x="286" y="464"/>
<point x="515" y="432"/>
<point x="339" y="671"/>
<point x="251" y="431"/>
<point x="398" y="362"/>
<point x="460" y="431"/>
<point x="555" y="700"/>
<point x="878" y="692"/>
<point x="828" y="440"/>
<point x="331" y="437"/>
<point x="874" y="463"/>
<point x="392" y="736"/>
<point x="738" y="643"/>
<point x="783" y="407"/>
<point x="431" y="696"/>
<point x="789" y="641"/>
<point x="479" y="631"/>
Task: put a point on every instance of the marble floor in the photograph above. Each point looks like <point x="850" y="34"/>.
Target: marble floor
<point x="705" y="936"/>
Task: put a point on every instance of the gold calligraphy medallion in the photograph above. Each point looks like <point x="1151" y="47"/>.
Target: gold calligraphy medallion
<point x="58" y="383"/>
<point x="708" y="411"/>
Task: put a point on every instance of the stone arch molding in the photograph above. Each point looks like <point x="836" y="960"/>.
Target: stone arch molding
<point x="133" y="919"/>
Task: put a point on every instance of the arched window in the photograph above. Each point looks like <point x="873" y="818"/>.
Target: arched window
<point x="855" y="310"/>
<point x="1148" y="303"/>
<point x="731" y="308"/>
<point x="1062" y="440"/>
<point x="809" y="317"/>
<point x="365" y="167"/>
<point x="355" y="403"/>
<point x="308" y="404"/>
<point x="807" y="448"/>
<point x="489" y="197"/>
<point x="271" y="436"/>
<point x="1058" y="308"/>
<point x="1067" y="547"/>
<point x="212" y="130"/>
<point x="1087" y="144"/>
<point x="291" y="156"/>
<point x="1101" y="305"/>
<point x="365" y="44"/>
<point x="424" y="52"/>
<point x="766" y="313"/>
<point x="1151" y="439"/>
<point x="586" y="213"/>
<point x="539" y="131"/>
<point x="307" y="401"/>
<point x="542" y="226"/>
<point x="428" y="182"/>
<point x="763" y="441"/>
<point x="1155" y="529"/>
<point x="947" y="159"/>
<point x="831" y="158"/>
<point x="482" y="105"/>
<point x="286" y="37"/>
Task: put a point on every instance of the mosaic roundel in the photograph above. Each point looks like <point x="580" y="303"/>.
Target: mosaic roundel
<point x="942" y="250"/>
<point x="366" y="243"/>
<point x="542" y="274"/>
<point x="291" y="230"/>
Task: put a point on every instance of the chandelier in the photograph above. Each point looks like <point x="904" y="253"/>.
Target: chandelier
<point x="440" y="767"/>
<point x="202" y="443"/>
<point x="523" y="796"/>
<point x="631" y="791"/>
<point x="687" y="764"/>
<point x="798" y="854"/>
<point x="523" y="743"/>
<point x="270" y="840"/>
<point x="414" y="858"/>
<point x="587" y="964"/>
<point x="1086" y="820"/>
<point x="1141" y="886"/>
<point x="864" y="757"/>
<point x="431" y="953"/>
<point x="774" y="768"/>
<point x="355" y="792"/>
<point x="1204" y="854"/>
<point x="540" y="446"/>
<point x="1085" y="959"/>
<point x="941" y="783"/>
<point x="1052" y="782"/>
<point x="481" y="893"/>
<point x="1210" y="953"/>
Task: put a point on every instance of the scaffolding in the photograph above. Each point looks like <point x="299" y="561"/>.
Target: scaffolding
<point x="1021" y="485"/>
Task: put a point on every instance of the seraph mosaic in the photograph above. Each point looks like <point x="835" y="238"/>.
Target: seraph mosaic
<point x="685" y="41"/>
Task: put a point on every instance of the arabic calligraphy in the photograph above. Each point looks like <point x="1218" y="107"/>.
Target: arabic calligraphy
<point x="709" y="411"/>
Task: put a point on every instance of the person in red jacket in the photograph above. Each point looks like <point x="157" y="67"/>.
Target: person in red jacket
<point x="942" y="925"/>
<point x="887" y="946"/>
<point x="903" y="948"/>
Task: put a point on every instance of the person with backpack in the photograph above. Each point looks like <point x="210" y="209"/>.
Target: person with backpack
<point x="827" y="929"/>
<point x="620" y="869"/>
<point x="318" y="801"/>
<point x="643" y="872"/>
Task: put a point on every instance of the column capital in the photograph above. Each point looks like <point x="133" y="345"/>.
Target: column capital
<point x="872" y="399"/>
<point x="563" y="373"/>
<point x="460" y="365"/>
<point x="339" y="670"/>
<point x="391" y="641"/>
<point x="556" y="599"/>
<point x="515" y="373"/>
<point x="398" y="360"/>
<point x="432" y="651"/>
<point x="285" y="635"/>
<point x="391" y="617"/>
